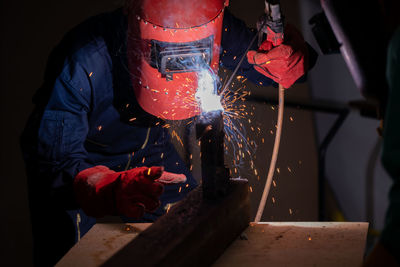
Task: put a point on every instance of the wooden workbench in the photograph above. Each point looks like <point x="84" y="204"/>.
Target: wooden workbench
<point x="263" y="244"/>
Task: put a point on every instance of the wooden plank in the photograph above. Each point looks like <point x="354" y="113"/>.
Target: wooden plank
<point x="298" y="244"/>
<point x="268" y="244"/>
<point x="195" y="232"/>
<point x="100" y="243"/>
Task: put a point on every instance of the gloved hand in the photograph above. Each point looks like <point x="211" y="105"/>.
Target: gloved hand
<point x="284" y="63"/>
<point x="101" y="191"/>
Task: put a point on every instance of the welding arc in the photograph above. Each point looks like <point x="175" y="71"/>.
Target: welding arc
<point x="274" y="156"/>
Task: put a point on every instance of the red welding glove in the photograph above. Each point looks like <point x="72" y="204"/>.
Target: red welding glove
<point x="284" y="63"/>
<point x="101" y="191"/>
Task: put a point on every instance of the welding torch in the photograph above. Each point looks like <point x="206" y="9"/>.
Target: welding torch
<point x="270" y="24"/>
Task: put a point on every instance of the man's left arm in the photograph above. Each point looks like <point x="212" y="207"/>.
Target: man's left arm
<point x="295" y="55"/>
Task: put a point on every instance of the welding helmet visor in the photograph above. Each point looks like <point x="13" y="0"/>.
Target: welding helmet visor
<point x="177" y="40"/>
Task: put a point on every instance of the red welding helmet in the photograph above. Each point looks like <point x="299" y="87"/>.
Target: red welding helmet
<point x="177" y="39"/>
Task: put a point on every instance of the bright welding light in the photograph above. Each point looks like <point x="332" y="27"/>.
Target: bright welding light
<point x="206" y="94"/>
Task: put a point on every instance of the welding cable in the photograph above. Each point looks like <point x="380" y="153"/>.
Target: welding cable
<point x="274" y="156"/>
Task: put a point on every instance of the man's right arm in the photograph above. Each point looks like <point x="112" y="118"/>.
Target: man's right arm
<point x="98" y="190"/>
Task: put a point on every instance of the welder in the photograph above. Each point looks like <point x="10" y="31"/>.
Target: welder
<point x="96" y="143"/>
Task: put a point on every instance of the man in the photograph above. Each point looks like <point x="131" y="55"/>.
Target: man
<point x="95" y="144"/>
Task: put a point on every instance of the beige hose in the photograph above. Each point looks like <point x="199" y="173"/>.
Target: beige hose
<point x="274" y="156"/>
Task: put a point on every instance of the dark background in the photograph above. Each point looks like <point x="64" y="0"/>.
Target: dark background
<point x="30" y="29"/>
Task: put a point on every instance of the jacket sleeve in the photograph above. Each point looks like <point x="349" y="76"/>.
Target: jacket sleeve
<point x="64" y="126"/>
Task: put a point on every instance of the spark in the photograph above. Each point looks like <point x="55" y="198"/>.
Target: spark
<point x="149" y="171"/>
<point x="180" y="189"/>
<point x="99" y="127"/>
<point x="175" y="134"/>
<point x="290" y="211"/>
<point x="128" y="228"/>
<point x="90" y="74"/>
<point x="235" y="131"/>
<point x="162" y="155"/>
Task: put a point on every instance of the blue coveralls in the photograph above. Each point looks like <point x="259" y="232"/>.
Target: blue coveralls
<point x="81" y="120"/>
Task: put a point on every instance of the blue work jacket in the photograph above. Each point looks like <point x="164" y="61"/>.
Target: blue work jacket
<point x="82" y="119"/>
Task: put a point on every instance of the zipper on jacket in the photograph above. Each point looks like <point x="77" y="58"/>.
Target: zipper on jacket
<point x="129" y="162"/>
<point x="147" y="138"/>
<point x="78" y="221"/>
<point x="143" y="146"/>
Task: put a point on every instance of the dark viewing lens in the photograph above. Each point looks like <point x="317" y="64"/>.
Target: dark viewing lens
<point x="181" y="57"/>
